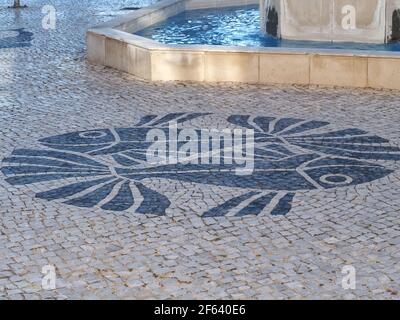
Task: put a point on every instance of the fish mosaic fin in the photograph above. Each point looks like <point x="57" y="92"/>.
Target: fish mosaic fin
<point x="145" y="120"/>
<point x="257" y="205"/>
<point x="264" y="153"/>
<point x="35" y="178"/>
<point x="153" y="202"/>
<point x="92" y="198"/>
<point x="264" y="122"/>
<point x="283" y="124"/>
<point x="344" y="140"/>
<point x="284" y="205"/>
<point x="242" y="121"/>
<point x="281" y="148"/>
<point x="309" y="125"/>
<point x="125" y="161"/>
<point x="123" y="200"/>
<point x="71" y="189"/>
<point x="337" y="134"/>
<point x="351" y="143"/>
<point x="279" y="205"/>
<point x="226" y="207"/>
<point x="358" y="147"/>
<point x="354" y="151"/>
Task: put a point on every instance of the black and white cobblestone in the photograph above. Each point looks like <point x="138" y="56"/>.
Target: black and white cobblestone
<point x="48" y="88"/>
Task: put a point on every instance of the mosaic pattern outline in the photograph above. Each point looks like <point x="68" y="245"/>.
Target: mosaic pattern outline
<point x="290" y="155"/>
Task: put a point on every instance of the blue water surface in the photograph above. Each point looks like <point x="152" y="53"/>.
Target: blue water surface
<point x="235" y="26"/>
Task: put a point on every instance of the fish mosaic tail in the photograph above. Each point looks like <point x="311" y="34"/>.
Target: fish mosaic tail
<point x="26" y="166"/>
<point x="254" y="203"/>
<point x="101" y="188"/>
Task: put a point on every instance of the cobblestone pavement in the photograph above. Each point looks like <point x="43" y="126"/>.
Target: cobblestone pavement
<point x="47" y="89"/>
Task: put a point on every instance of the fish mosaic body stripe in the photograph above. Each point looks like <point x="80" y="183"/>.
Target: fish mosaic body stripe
<point x="290" y="155"/>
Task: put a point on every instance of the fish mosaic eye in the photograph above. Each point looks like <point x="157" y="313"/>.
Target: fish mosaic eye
<point x="93" y="134"/>
<point x="289" y="155"/>
<point x="336" y="179"/>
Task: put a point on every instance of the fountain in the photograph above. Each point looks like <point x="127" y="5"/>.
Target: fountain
<point x="368" y="21"/>
<point x="353" y="42"/>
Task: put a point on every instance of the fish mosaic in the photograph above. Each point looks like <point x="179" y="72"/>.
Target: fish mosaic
<point x="15" y="38"/>
<point x="110" y="170"/>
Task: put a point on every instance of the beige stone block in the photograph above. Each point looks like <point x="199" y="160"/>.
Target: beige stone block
<point x="384" y="73"/>
<point x="95" y="44"/>
<point x="177" y="65"/>
<point x="330" y="70"/>
<point x="116" y="54"/>
<point x="141" y="64"/>
<point x="231" y="67"/>
<point x="284" y="68"/>
<point x="128" y="58"/>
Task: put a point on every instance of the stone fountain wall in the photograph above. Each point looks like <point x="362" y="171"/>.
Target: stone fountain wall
<point x="372" y="21"/>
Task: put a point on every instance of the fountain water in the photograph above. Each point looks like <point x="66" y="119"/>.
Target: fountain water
<point x="371" y="21"/>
